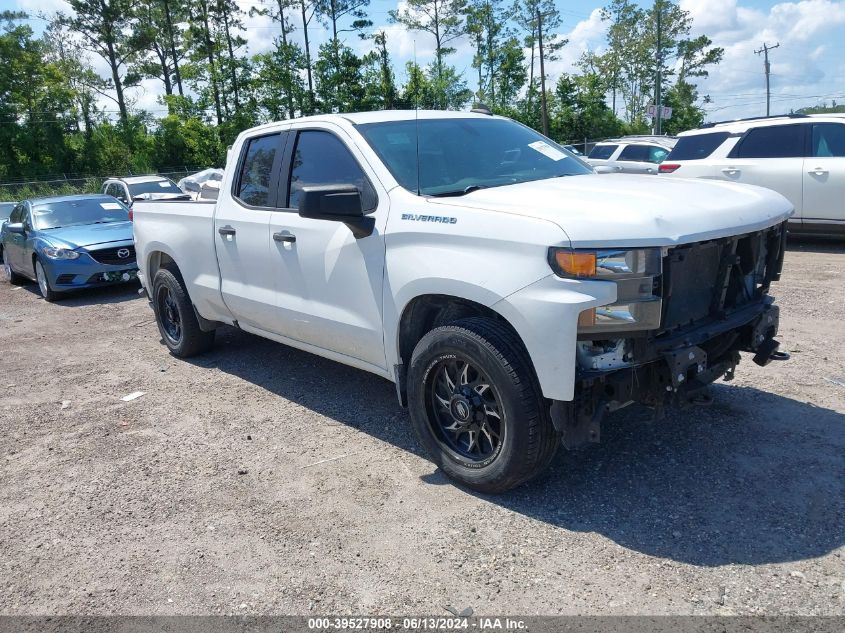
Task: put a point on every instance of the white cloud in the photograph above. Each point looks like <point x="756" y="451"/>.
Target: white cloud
<point x="810" y="34"/>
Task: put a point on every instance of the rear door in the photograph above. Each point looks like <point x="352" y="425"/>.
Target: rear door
<point x="637" y="158"/>
<point x="241" y="231"/>
<point x="329" y="283"/>
<point x="769" y="156"/>
<point x="824" y="175"/>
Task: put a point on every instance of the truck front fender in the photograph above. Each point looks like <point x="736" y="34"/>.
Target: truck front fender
<point x="545" y="315"/>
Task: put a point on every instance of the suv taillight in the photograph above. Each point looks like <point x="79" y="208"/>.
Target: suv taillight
<point x="668" y="168"/>
<point x="131" y="215"/>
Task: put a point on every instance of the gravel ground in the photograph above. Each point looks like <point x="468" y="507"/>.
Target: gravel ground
<point x="260" y="479"/>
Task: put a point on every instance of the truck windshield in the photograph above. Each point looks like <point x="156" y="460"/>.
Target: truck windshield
<point x="460" y="155"/>
<point x="103" y="210"/>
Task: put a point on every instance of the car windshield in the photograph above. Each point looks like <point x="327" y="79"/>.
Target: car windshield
<point x="52" y="215"/>
<point x="155" y="186"/>
<point x="457" y="156"/>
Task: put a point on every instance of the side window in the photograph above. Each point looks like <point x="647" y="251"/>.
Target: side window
<point x="320" y="158"/>
<point x="602" y="152"/>
<point x="16" y="214"/>
<point x="657" y="154"/>
<point x="637" y="153"/>
<point x="775" y="141"/>
<point x="253" y="185"/>
<point x="829" y="139"/>
<point x="26" y="218"/>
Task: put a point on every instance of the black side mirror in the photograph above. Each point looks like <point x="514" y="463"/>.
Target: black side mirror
<point x="338" y="203"/>
<point x="15" y="227"/>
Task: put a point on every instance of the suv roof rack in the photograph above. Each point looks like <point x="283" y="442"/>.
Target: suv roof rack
<point x="755" y="118"/>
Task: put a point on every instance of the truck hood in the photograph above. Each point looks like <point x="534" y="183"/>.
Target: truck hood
<point x="627" y="210"/>
<point x="89" y="234"/>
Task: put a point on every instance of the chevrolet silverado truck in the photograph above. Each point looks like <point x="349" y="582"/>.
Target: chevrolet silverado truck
<point x="512" y="295"/>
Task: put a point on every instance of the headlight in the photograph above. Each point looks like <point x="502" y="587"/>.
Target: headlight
<point x="59" y="253"/>
<point x="636" y="273"/>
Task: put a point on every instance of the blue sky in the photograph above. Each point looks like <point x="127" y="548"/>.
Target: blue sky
<point x="808" y="68"/>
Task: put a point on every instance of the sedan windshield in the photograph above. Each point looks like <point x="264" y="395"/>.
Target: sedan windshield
<point x="156" y="186"/>
<point x="460" y="155"/>
<point x="53" y="215"/>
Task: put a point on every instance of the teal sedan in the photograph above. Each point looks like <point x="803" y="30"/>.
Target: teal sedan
<point x="68" y="243"/>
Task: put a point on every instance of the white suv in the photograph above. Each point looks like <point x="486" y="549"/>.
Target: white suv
<point x="630" y="154"/>
<point x="801" y="157"/>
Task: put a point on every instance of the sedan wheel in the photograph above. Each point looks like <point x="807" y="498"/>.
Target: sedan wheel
<point x="44" y="283"/>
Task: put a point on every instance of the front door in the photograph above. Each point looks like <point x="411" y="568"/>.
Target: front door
<point x="241" y="231"/>
<point x="329" y="284"/>
<point x="824" y="175"/>
<point x="14" y="244"/>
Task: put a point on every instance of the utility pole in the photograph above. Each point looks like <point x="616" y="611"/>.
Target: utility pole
<point x="544" y="106"/>
<point x="768" y="67"/>
<point x="658" y="5"/>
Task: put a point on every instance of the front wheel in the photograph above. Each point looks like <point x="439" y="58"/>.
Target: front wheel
<point x="44" y="283"/>
<point x="14" y="278"/>
<point x="476" y="405"/>
<point x="175" y="316"/>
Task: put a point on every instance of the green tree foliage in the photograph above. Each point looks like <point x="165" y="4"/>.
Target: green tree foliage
<point x="55" y="117"/>
<point x="444" y="21"/>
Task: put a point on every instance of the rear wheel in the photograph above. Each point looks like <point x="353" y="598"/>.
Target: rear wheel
<point x="44" y="283"/>
<point x="14" y="278"/>
<point x="476" y="405"/>
<point x="175" y="316"/>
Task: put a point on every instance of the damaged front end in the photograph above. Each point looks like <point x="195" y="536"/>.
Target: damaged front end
<point x="679" y="324"/>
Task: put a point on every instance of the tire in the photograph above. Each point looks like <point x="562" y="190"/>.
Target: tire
<point x="13" y="278"/>
<point x="501" y="393"/>
<point x="175" y="316"/>
<point x="44" y="283"/>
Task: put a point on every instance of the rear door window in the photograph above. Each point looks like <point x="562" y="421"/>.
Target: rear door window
<point x="657" y="154"/>
<point x="698" y="146"/>
<point x="259" y="164"/>
<point x="775" y="141"/>
<point x="602" y="152"/>
<point x="828" y="140"/>
<point x="638" y="153"/>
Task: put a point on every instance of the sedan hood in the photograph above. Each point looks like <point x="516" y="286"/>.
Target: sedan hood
<point x="89" y="234"/>
<point x="626" y="210"/>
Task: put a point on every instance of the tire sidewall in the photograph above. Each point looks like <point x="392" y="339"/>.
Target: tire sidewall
<point x="164" y="278"/>
<point x="445" y="344"/>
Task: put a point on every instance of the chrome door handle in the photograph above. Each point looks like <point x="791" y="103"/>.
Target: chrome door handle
<point x="818" y="171"/>
<point x="284" y="237"/>
<point x="730" y="171"/>
<point x="226" y="231"/>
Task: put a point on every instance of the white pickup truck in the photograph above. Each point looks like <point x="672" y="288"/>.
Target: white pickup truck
<point x="513" y="296"/>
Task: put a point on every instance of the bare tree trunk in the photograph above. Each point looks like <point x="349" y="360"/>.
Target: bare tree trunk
<point x="172" y="42"/>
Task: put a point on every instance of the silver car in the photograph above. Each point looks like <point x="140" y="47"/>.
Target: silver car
<point x="631" y="154"/>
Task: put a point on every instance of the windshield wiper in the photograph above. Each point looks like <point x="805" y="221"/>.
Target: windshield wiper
<point x="458" y="192"/>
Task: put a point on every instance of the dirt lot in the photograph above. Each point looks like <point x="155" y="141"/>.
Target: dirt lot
<point x="260" y="479"/>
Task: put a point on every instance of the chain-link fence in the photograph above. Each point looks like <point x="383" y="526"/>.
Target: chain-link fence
<point x="67" y="184"/>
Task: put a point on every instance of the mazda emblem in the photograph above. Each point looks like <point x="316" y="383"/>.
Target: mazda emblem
<point x="123" y="253"/>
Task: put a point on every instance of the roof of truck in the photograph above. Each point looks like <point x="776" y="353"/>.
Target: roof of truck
<point x="382" y="116"/>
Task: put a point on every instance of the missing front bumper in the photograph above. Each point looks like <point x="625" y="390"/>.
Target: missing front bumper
<point x="672" y="371"/>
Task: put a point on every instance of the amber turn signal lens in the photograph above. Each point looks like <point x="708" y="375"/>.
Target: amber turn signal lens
<point x="574" y="264"/>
